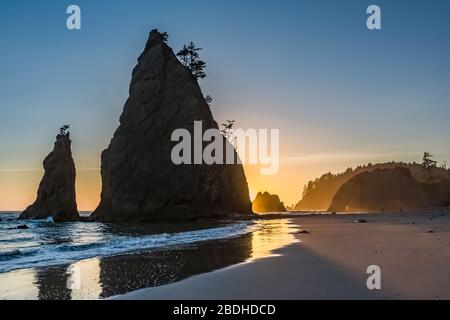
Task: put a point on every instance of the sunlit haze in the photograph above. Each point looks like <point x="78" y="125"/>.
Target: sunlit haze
<point x="341" y="96"/>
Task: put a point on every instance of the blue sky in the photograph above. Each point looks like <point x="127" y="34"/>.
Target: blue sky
<point x="340" y="94"/>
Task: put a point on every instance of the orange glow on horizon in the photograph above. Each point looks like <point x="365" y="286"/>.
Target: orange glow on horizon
<point x="18" y="188"/>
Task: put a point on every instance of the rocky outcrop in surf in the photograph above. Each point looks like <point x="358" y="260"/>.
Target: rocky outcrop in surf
<point x="56" y="194"/>
<point x="266" y="202"/>
<point x="139" y="180"/>
<point x="389" y="190"/>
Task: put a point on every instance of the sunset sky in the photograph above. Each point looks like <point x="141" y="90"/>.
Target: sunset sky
<point x="340" y="95"/>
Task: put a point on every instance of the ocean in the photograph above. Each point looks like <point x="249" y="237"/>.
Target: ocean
<point x="46" y="243"/>
<point x="109" y="259"/>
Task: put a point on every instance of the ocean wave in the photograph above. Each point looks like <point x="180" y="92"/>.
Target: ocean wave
<point x="13" y="254"/>
<point x="104" y="245"/>
<point x="16" y="239"/>
<point x="78" y="247"/>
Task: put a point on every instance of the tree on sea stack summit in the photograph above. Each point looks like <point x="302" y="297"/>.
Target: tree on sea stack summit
<point x="190" y="58"/>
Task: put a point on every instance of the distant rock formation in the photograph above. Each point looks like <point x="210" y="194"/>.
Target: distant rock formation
<point x="266" y="202"/>
<point x="56" y="194"/>
<point x="318" y="194"/>
<point x="139" y="180"/>
<point x="389" y="190"/>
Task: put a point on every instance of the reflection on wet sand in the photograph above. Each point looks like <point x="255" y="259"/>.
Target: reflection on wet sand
<point x="274" y="234"/>
<point x="119" y="275"/>
<point x="84" y="279"/>
<point x="102" y="278"/>
<point x="52" y="284"/>
<point x="19" y="285"/>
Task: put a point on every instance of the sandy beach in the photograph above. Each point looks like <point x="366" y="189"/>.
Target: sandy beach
<point x="330" y="262"/>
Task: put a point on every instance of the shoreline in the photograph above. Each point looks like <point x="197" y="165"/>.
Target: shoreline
<point x="330" y="262"/>
<point x="106" y="276"/>
<point x="103" y="277"/>
<point x="305" y="256"/>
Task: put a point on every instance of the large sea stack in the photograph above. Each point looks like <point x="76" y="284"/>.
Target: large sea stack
<point x="139" y="180"/>
<point x="56" y="194"/>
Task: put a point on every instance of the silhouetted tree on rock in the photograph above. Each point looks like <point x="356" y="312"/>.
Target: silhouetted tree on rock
<point x="190" y="58"/>
<point x="64" y="130"/>
<point x="209" y="100"/>
<point x="428" y="165"/>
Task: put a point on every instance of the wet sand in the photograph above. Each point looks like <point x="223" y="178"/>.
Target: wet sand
<point x="103" y="277"/>
<point x="330" y="262"/>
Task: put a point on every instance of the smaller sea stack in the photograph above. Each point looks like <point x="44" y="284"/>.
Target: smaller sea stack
<point x="266" y="202"/>
<point x="56" y="194"/>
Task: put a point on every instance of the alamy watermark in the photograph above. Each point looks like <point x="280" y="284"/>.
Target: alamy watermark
<point x="374" y="280"/>
<point x="235" y="146"/>
<point x="374" y="20"/>
<point x="73" y="21"/>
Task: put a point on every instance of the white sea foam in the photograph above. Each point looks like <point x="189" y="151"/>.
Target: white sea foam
<point x="47" y="244"/>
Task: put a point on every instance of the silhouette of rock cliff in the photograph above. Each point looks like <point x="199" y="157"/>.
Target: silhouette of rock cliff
<point x="140" y="182"/>
<point x="266" y="202"/>
<point x="389" y="190"/>
<point x="56" y="194"/>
